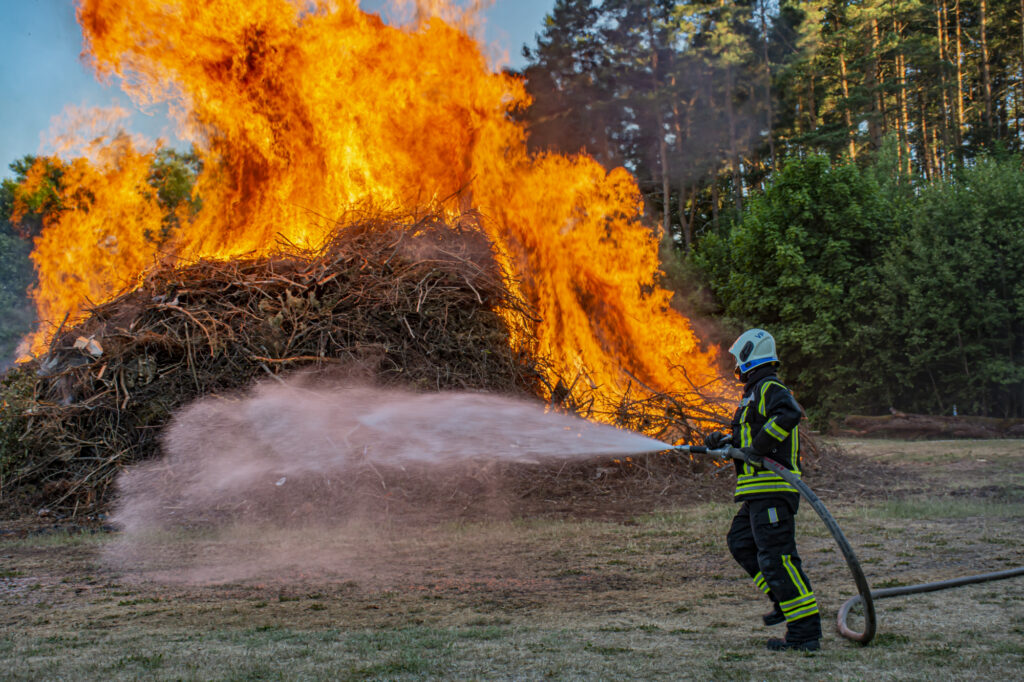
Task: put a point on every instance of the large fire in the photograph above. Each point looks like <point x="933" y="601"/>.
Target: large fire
<point x="305" y="112"/>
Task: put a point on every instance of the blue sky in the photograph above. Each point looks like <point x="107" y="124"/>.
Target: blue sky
<point x="40" y="44"/>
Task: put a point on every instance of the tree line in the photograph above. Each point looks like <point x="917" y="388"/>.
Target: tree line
<point x="704" y="99"/>
<point x="846" y="173"/>
<point x="882" y="294"/>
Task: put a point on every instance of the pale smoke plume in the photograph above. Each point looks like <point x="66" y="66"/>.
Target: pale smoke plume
<point x="96" y="133"/>
<point x="264" y="479"/>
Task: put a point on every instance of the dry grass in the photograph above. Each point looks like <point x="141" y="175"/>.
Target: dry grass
<point x="536" y="598"/>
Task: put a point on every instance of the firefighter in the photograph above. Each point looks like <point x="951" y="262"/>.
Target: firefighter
<point x="762" y="538"/>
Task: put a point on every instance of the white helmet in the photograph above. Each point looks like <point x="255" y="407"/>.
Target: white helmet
<point x="754" y="348"/>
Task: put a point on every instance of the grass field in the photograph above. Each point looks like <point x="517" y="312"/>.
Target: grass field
<point x="650" y="594"/>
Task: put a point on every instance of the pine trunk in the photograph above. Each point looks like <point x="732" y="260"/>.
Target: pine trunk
<point x="986" y="78"/>
<point x="846" y="104"/>
<point x="1020" y="75"/>
<point x="677" y="121"/>
<point x="959" y="86"/>
<point x="876" y="125"/>
<point x="813" y="108"/>
<point x="686" y="217"/>
<point x="940" y="12"/>
<point x="768" y="84"/>
<point x="924" y="153"/>
<point x="734" y="152"/>
<point x="714" y="200"/>
<point x="904" y="114"/>
<point x="666" y="191"/>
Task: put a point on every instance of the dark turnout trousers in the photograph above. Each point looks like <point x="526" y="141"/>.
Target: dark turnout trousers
<point x="762" y="539"/>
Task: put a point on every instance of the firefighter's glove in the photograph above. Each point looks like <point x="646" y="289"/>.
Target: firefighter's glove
<point x="752" y="457"/>
<point x="717" y="440"/>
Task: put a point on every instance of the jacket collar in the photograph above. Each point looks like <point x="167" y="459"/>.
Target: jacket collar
<point x="756" y="375"/>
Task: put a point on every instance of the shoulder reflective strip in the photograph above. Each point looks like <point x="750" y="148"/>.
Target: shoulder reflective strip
<point x="801" y="586"/>
<point x="764" y="392"/>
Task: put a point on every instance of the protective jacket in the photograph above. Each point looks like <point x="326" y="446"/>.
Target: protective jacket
<point x="767" y="420"/>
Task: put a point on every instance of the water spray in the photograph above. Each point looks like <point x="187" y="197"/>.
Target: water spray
<point x="865" y="594"/>
<point x="256" y="449"/>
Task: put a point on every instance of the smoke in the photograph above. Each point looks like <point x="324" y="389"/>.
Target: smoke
<point x="296" y="477"/>
<point x="96" y="133"/>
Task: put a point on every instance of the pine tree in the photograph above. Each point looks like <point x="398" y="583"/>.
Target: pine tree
<point x="574" y="105"/>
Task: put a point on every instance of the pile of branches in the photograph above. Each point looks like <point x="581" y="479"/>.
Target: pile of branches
<point x="421" y="305"/>
<point x="417" y="304"/>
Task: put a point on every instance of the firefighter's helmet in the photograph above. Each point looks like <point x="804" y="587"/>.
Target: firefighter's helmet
<point x="754" y="347"/>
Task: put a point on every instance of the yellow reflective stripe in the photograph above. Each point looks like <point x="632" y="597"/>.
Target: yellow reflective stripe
<point x="797" y="615"/>
<point x="801" y="607"/>
<point x="764" y="392"/>
<point x="761" y="476"/>
<point x="760" y="583"/>
<point x="744" y="429"/>
<point x="798" y="602"/>
<point x="743" y="485"/>
<point x="754" y="479"/>
<point x="768" y="488"/>
<point x="794" y="575"/>
<point x="794" y="455"/>
<point x="745" y="438"/>
<point x="765" y="477"/>
<point x="775" y="431"/>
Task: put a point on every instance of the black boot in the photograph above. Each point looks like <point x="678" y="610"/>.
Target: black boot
<point x="776" y="644"/>
<point x="801" y="635"/>
<point x="775" y="616"/>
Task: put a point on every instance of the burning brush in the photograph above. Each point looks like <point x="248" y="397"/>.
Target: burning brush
<point x="420" y="305"/>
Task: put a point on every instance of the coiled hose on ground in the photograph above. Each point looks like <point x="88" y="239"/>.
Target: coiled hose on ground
<point x="865" y="594"/>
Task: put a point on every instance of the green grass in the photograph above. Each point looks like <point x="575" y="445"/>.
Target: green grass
<point x="60" y="538"/>
<point x="943" y="508"/>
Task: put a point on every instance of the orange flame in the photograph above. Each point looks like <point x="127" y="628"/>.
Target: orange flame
<point x="301" y="109"/>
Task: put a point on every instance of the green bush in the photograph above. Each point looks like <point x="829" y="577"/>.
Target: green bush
<point x="17" y="392"/>
<point x="953" y="300"/>
<point x="801" y="263"/>
<point x="883" y="293"/>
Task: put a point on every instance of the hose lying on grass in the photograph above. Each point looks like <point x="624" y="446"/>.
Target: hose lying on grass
<point x="865" y="594"/>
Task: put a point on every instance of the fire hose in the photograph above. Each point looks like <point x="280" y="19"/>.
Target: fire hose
<point x="865" y="594"/>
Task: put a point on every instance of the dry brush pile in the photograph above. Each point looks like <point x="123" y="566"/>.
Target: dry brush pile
<point x="417" y="304"/>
